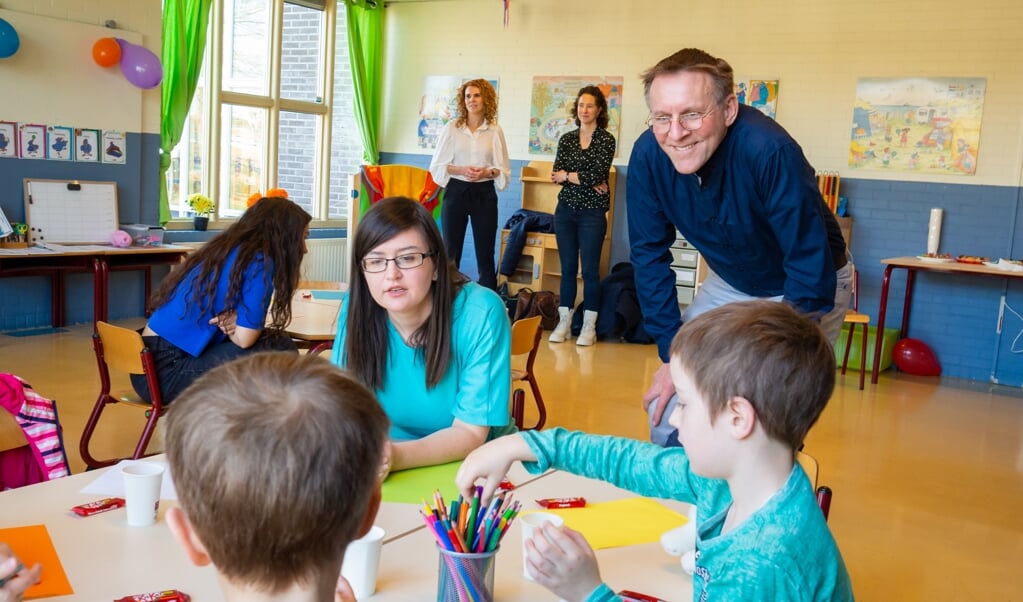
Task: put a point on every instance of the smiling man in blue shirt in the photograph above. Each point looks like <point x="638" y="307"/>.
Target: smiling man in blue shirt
<point x="739" y="188"/>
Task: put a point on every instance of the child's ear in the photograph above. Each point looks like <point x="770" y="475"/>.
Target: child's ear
<point x="182" y="530"/>
<point x="371" y="511"/>
<point x="742" y="417"/>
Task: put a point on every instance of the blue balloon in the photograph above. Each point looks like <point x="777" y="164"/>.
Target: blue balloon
<point x="139" y="65"/>
<point x="9" y="41"/>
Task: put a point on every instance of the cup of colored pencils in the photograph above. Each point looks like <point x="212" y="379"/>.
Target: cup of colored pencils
<point x="468" y="534"/>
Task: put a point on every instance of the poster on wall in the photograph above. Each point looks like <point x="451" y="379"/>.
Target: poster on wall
<point x="921" y="124"/>
<point x="551" y="104"/>
<point x="58" y="142"/>
<point x="439" y="105"/>
<point x="113" y="147"/>
<point x="86" y="145"/>
<point x="761" y="94"/>
<point x="32" y="140"/>
<point x="8" y="139"/>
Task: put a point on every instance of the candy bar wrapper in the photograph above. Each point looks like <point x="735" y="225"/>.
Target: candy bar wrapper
<point x="562" y="502"/>
<point x="171" y="595"/>
<point x="110" y="503"/>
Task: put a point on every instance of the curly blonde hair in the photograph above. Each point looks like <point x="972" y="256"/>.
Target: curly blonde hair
<point x="489" y="101"/>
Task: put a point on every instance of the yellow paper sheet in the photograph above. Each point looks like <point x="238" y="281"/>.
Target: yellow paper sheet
<point x="625" y="522"/>
<point x="32" y="544"/>
<point x="414" y="485"/>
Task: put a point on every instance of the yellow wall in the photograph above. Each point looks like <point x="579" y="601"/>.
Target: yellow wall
<point x="816" y="48"/>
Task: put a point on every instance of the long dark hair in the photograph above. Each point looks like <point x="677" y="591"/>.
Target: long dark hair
<point x="274" y="228"/>
<point x="598" y="96"/>
<point x="365" y="352"/>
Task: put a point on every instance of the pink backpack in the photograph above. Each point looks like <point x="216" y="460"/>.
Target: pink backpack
<point x="44" y="458"/>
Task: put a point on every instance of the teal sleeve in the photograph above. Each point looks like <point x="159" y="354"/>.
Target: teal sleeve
<point x="483" y="359"/>
<point x="337" y="351"/>
<point x="603" y="593"/>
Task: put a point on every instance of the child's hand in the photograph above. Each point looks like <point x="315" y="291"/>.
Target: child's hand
<point x="560" y="559"/>
<point x="16" y="579"/>
<point x="491" y="463"/>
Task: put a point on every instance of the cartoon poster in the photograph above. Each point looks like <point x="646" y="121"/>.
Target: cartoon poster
<point x="86" y="145"/>
<point x="551" y="104"/>
<point x="32" y="138"/>
<point x="58" y="142"/>
<point x="8" y="139"/>
<point x="113" y="147"/>
<point x="923" y="125"/>
<point x="439" y="105"/>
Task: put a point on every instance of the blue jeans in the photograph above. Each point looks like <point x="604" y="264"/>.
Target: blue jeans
<point x="580" y="234"/>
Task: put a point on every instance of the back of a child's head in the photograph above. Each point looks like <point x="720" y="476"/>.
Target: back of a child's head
<point x="766" y="352"/>
<point x="275" y="459"/>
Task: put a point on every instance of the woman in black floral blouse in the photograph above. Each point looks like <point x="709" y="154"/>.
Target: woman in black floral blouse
<point x="580" y="221"/>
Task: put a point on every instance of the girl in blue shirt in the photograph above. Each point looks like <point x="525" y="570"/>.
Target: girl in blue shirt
<point x="214" y="307"/>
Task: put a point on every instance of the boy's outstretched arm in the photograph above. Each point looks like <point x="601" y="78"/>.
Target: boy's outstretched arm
<point x="491" y="463"/>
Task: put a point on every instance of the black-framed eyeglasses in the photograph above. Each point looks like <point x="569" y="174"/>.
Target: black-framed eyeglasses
<point x="407" y="261"/>
<point x="689" y="121"/>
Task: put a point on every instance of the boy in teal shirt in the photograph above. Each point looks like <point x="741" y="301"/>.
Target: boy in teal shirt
<point x="752" y="378"/>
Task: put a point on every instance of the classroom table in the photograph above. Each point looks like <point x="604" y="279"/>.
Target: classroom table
<point x="105" y="559"/>
<point x="55" y="261"/>
<point x="313" y="319"/>
<point x="409" y="566"/>
<point x="912" y="265"/>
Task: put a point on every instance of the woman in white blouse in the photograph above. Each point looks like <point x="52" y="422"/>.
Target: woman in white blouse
<point x="471" y="163"/>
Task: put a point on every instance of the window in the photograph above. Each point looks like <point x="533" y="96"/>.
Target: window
<point x="268" y="110"/>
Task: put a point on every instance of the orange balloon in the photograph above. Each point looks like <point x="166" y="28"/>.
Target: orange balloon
<point x="106" y="52"/>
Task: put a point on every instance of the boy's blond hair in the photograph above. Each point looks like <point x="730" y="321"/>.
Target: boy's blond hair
<point x="766" y="352"/>
<point x="275" y="458"/>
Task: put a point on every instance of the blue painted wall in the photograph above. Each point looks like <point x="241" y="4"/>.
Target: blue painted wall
<point x="955" y="315"/>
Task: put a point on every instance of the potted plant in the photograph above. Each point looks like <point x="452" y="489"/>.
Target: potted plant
<point x="202" y="207"/>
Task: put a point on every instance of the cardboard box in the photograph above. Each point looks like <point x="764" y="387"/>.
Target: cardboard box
<point x="143" y="235"/>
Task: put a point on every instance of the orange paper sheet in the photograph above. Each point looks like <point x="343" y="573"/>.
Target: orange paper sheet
<point x="32" y="544"/>
<point x="627" y="522"/>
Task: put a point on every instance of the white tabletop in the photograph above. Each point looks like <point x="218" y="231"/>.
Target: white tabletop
<point x="644" y="568"/>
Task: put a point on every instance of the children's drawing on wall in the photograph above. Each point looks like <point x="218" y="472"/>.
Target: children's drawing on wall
<point x="551" y="104"/>
<point x="33" y="140"/>
<point x="113" y="147"/>
<point x="763" y="96"/>
<point x="58" y="142"/>
<point x="439" y="105"/>
<point x="926" y="125"/>
<point x="8" y="139"/>
<point x="86" y="145"/>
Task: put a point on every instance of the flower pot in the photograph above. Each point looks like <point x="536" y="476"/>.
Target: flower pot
<point x="201" y="222"/>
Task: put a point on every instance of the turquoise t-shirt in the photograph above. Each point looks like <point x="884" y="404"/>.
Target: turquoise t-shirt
<point x="476" y="387"/>
<point x="784" y="551"/>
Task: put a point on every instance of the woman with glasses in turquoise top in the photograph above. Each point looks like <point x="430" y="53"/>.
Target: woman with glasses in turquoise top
<point x="434" y="347"/>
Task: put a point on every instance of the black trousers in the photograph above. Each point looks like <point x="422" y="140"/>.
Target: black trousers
<point x="176" y="369"/>
<point x="476" y="201"/>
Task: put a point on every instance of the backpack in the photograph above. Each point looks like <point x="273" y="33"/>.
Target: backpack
<point x="539" y="303"/>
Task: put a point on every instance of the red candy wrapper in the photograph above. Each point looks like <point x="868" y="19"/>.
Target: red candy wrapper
<point x="562" y="502"/>
<point x="631" y="596"/>
<point x="171" y="595"/>
<point x="98" y="506"/>
<point x="506" y="485"/>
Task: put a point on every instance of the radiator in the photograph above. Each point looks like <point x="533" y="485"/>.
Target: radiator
<point x="326" y="260"/>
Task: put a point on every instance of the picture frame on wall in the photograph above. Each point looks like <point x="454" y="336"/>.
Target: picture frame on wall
<point x="8" y="139"/>
<point x="87" y="147"/>
<point x="58" y="142"/>
<point x="113" y="147"/>
<point x="32" y="140"/>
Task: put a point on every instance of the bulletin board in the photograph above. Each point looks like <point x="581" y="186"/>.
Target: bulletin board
<point x="70" y="211"/>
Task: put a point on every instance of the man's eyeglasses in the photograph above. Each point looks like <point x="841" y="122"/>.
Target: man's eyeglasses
<point x="407" y="261"/>
<point x="689" y="121"/>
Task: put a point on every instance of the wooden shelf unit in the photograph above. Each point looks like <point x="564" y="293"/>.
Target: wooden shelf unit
<point x="539" y="266"/>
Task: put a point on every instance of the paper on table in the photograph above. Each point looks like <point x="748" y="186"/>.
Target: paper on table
<point x="111" y="483"/>
<point x="32" y="544"/>
<point x="413" y="485"/>
<point x="625" y="522"/>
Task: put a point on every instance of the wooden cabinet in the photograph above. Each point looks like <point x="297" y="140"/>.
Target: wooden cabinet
<point x="539" y="266"/>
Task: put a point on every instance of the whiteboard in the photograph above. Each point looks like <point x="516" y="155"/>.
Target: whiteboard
<point x="70" y="211"/>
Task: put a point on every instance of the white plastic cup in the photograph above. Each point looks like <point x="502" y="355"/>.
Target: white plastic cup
<point x="530" y="523"/>
<point x="142" y="482"/>
<point x="362" y="558"/>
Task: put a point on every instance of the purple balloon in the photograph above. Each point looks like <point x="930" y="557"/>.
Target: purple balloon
<point x="140" y="66"/>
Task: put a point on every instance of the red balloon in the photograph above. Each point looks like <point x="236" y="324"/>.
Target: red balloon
<point x="913" y="356"/>
<point x="106" y="52"/>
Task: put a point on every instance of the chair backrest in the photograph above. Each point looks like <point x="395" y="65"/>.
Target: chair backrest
<point x="122" y="347"/>
<point x="526" y="335"/>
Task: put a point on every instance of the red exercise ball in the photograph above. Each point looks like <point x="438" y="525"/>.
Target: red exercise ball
<point x="106" y="52"/>
<point x="913" y="356"/>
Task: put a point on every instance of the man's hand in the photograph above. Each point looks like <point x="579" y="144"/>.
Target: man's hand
<point x="659" y="393"/>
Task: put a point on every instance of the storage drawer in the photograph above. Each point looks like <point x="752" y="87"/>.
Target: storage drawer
<point x="685" y="258"/>
<point x="685" y="294"/>
<point x="685" y="277"/>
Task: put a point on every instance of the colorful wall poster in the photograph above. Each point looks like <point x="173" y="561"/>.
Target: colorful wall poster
<point x="551" y="104"/>
<point x="918" y="124"/>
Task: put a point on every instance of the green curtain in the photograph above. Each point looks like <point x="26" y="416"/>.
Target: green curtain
<point x="185" y="23"/>
<point x="365" y="35"/>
